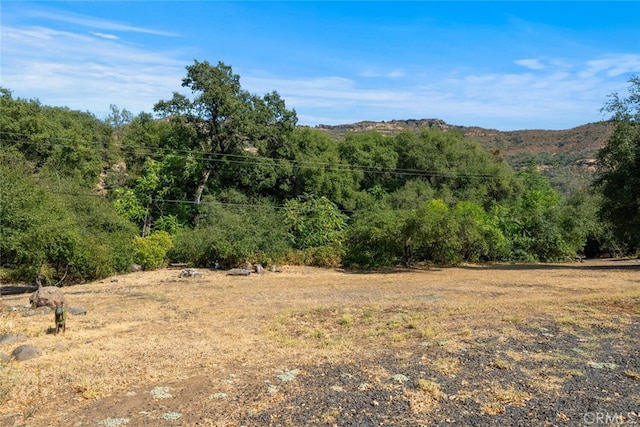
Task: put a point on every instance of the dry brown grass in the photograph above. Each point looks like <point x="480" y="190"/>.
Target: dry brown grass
<point x="153" y="327"/>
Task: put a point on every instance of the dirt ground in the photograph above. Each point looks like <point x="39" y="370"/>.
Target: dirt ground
<point x="529" y="345"/>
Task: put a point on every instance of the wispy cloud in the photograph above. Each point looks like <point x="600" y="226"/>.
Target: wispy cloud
<point x="548" y="96"/>
<point x="87" y="71"/>
<point x="95" y="23"/>
<point x="393" y="74"/>
<point x="105" y="36"/>
<point x="532" y="64"/>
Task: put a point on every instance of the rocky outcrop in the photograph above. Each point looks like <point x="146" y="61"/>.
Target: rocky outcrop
<point x="47" y="296"/>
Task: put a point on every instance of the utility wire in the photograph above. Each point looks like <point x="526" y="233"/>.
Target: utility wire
<point x="247" y="160"/>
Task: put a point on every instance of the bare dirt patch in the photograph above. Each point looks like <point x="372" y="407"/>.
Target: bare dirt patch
<point x="475" y="345"/>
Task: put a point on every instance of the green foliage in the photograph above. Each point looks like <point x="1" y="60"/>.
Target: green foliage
<point x="374" y="156"/>
<point x="308" y="161"/>
<point x="57" y="236"/>
<point x="533" y="222"/>
<point x="375" y="238"/>
<point x="223" y="119"/>
<point x="456" y="168"/>
<point x="314" y="222"/>
<point x="480" y="236"/>
<point x="150" y="252"/>
<point x="231" y="231"/>
<point x="228" y="176"/>
<point x="434" y="234"/>
<point x="619" y="175"/>
<point x="59" y="141"/>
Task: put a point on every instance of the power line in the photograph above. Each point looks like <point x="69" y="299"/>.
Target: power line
<point x="277" y="162"/>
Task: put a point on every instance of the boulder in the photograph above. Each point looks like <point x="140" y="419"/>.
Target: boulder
<point x="4" y="358"/>
<point x="259" y="269"/>
<point x="77" y="311"/>
<point x="11" y="339"/>
<point x="239" y="272"/>
<point x="190" y="273"/>
<point x="247" y="266"/>
<point x="47" y="296"/>
<point x="25" y="352"/>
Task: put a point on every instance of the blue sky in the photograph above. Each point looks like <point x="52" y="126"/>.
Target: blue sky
<point x="500" y="65"/>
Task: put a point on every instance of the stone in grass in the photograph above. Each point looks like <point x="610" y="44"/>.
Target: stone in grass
<point x="400" y="378"/>
<point x="25" y="352"/>
<point x="11" y="339"/>
<point x="114" y="422"/>
<point x="4" y="358"/>
<point x="239" y="272"/>
<point x="161" y="393"/>
<point x="218" y="396"/>
<point x="171" y="416"/>
<point x="289" y="376"/>
<point x="604" y="365"/>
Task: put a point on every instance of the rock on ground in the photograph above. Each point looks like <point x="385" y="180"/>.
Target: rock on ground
<point x="11" y="339"/>
<point x="25" y="352"/>
<point x="47" y="296"/>
<point x="239" y="272"/>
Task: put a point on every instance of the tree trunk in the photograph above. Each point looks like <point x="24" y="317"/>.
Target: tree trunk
<point x="200" y="188"/>
<point x="198" y="196"/>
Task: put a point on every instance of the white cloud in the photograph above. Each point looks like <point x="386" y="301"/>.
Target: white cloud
<point x="393" y="74"/>
<point x="105" y="36"/>
<point x="532" y="64"/>
<point x="102" y="24"/>
<point x="98" y="66"/>
<point x="87" y="72"/>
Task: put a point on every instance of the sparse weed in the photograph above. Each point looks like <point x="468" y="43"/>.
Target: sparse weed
<point x="513" y="318"/>
<point x="447" y="365"/>
<point x="367" y="313"/>
<point x="426" y="395"/>
<point x="511" y="396"/>
<point x="492" y="408"/>
<point x="502" y="364"/>
<point x="632" y="374"/>
<point x="346" y="320"/>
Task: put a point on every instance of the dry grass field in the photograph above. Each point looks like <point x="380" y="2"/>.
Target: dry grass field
<point x="473" y="345"/>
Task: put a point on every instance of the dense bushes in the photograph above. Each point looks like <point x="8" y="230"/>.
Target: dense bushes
<point x="57" y="235"/>
<point x="83" y="199"/>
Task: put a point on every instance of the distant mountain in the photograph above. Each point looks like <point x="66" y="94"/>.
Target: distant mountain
<point x="579" y="143"/>
<point x="567" y="157"/>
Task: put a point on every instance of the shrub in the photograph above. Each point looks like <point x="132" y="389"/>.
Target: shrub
<point x="150" y="251"/>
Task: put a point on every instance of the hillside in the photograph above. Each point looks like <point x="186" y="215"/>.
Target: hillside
<point x="567" y="157"/>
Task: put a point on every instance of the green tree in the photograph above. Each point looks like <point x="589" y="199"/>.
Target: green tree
<point x="434" y="233"/>
<point x="224" y="118"/>
<point x="314" y="222"/>
<point x="375" y="157"/>
<point x="619" y="174"/>
<point x="532" y="222"/>
<point x="375" y="238"/>
<point x="233" y="229"/>
<point x="61" y="143"/>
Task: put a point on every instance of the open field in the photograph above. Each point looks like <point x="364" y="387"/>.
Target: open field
<point x="474" y="345"/>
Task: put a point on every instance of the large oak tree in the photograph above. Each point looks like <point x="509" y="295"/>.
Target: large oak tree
<point x="226" y="119"/>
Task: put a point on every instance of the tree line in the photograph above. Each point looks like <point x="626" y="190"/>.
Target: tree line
<point x="224" y="176"/>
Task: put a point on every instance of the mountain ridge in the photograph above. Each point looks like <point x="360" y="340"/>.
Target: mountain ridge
<point x="582" y="141"/>
<point x="568" y="158"/>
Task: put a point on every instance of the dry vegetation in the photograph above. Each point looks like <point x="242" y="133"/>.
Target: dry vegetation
<point x="469" y="344"/>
